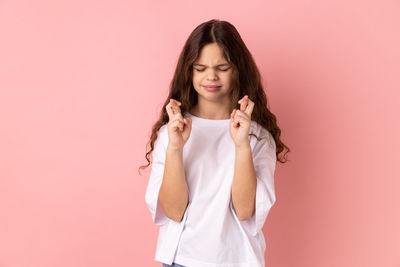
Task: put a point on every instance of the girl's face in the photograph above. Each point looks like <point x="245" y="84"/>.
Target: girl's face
<point x="211" y="68"/>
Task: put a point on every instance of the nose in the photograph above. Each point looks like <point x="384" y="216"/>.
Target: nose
<point x="211" y="75"/>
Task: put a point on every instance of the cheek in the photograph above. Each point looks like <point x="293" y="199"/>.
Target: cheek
<point x="227" y="78"/>
<point x="196" y="78"/>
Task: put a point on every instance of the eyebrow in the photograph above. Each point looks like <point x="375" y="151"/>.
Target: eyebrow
<point x="225" y="64"/>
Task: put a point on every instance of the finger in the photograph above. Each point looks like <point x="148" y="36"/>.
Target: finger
<point x="176" y="101"/>
<point x="234" y="122"/>
<point x="234" y="119"/>
<point x="188" y="123"/>
<point x="172" y="105"/>
<point x="173" y="102"/>
<point x="243" y="104"/>
<point x="177" y="123"/>
<point x="177" y="119"/>
<point x="169" y="111"/>
<point x="233" y="113"/>
<point x="242" y="119"/>
<point x="242" y="114"/>
<point x="181" y="124"/>
<point x="249" y="105"/>
<point x="175" y="107"/>
<point x="249" y="109"/>
<point x="243" y="98"/>
<point x="173" y="113"/>
<point x="176" y="104"/>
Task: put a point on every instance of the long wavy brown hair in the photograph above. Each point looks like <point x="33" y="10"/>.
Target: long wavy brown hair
<point x="246" y="80"/>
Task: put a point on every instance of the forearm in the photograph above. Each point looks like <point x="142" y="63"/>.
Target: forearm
<point x="244" y="183"/>
<point x="173" y="193"/>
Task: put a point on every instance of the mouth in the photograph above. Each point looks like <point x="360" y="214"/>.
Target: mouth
<point x="212" y="88"/>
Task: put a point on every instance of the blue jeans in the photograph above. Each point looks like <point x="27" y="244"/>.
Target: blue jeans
<point x="173" y="265"/>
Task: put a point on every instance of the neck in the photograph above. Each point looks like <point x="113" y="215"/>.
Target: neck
<point x="211" y="110"/>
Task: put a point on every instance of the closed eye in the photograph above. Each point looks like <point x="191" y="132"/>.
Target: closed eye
<point x="201" y="70"/>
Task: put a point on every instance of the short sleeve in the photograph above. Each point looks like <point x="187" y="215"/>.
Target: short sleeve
<point x="155" y="180"/>
<point x="264" y="160"/>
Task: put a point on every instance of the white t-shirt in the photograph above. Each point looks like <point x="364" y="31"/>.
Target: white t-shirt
<point x="210" y="234"/>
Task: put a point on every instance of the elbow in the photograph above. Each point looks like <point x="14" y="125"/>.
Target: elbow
<point x="244" y="216"/>
<point x="177" y="218"/>
<point x="176" y="214"/>
<point x="173" y="208"/>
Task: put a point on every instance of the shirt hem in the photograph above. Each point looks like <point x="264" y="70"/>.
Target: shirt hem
<point x="194" y="263"/>
<point x="163" y="259"/>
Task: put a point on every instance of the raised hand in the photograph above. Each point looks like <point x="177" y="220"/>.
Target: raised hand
<point x="240" y="122"/>
<point x="179" y="128"/>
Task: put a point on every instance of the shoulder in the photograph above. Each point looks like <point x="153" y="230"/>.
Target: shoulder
<point x="163" y="129"/>
<point x="162" y="135"/>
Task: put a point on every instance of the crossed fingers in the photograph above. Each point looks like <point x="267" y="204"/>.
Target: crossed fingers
<point x="173" y="109"/>
<point x="246" y="106"/>
<point x="174" y="113"/>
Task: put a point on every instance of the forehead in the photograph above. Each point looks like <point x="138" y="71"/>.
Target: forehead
<point x="211" y="54"/>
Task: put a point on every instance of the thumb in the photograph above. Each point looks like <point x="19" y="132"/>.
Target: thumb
<point x="188" y="122"/>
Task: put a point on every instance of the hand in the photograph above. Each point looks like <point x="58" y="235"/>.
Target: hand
<point x="179" y="128"/>
<point x="240" y="122"/>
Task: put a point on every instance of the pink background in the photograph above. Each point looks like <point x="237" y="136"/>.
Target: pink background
<point x="82" y="82"/>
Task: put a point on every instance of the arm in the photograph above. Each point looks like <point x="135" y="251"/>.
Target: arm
<point x="173" y="193"/>
<point x="244" y="183"/>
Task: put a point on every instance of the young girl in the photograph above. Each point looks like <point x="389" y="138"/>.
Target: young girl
<point x="211" y="184"/>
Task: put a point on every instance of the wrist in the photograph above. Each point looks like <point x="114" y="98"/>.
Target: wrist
<point x="172" y="149"/>
<point x="243" y="147"/>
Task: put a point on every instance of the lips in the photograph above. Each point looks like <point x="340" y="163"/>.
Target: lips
<point x="211" y="87"/>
